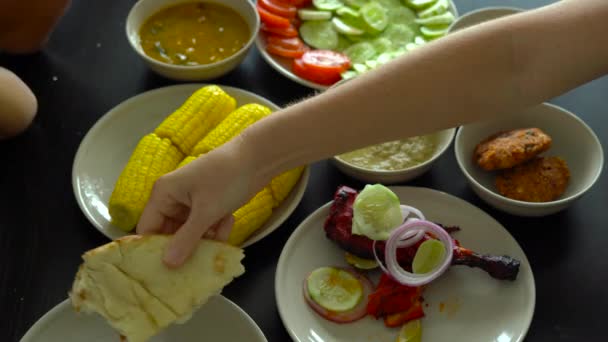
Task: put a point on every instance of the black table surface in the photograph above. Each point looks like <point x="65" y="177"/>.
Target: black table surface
<point x="88" y="68"/>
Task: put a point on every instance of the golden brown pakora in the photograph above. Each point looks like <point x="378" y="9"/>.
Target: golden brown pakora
<point x="542" y="179"/>
<point x="504" y="150"/>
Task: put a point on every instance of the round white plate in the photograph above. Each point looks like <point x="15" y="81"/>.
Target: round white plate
<point x="476" y="307"/>
<point x="109" y="143"/>
<point x="210" y="322"/>
<point x="283" y="64"/>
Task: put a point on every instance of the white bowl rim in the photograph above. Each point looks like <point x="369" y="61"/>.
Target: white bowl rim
<point x="252" y="38"/>
<point x="519" y="203"/>
<point x="482" y="10"/>
<point x="438" y="153"/>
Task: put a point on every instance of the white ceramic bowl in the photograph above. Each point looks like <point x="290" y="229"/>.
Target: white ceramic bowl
<point x="283" y="65"/>
<point x="396" y="176"/>
<point x="143" y="9"/>
<point x="481" y="15"/>
<point x="573" y="140"/>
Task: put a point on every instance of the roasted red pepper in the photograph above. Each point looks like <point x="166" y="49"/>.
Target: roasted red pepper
<point x="391" y="297"/>
<point x="398" y="319"/>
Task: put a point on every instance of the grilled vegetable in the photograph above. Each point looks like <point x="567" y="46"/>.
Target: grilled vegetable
<point x="230" y="127"/>
<point x="152" y="158"/>
<point x="201" y="113"/>
<point x="250" y="217"/>
<point x="281" y="185"/>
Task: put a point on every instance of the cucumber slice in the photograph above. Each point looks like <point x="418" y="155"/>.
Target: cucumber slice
<point x="433" y="32"/>
<point x="440" y="7"/>
<point x="348" y="13"/>
<point x="327" y="5"/>
<point x="429" y="255"/>
<point x="360" y="68"/>
<point x="360" y="52"/>
<point x="343" y="28"/>
<point x="372" y="64"/>
<point x="355" y="3"/>
<point x="319" y="34"/>
<point x="384" y="58"/>
<point x="376" y="212"/>
<point x="347" y="75"/>
<point x="382" y="45"/>
<point x="419" y="40"/>
<point x="308" y="14"/>
<point x="419" y="4"/>
<point x="375" y="17"/>
<point x="390" y="4"/>
<point x="334" y="289"/>
<point x="343" y="43"/>
<point x="402" y="15"/>
<point x="399" y="35"/>
<point x="441" y="19"/>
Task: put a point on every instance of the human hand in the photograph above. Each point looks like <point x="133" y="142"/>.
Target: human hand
<point x="197" y="200"/>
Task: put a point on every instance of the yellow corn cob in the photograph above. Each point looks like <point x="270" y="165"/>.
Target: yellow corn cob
<point x="186" y="160"/>
<point x="206" y="108"/>
<point x="152" y="158"/>
<point x="250" y="217"/>
<point x="282" y="184"/>
<point x="230" y="127"/>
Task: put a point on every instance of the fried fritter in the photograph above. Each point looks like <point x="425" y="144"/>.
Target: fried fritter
<point x="504" y="150"/>
<point x="542" y="179"/>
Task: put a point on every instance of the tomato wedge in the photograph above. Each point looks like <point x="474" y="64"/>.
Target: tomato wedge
<point x="284" y="10"/>
<point x="281" y="31"/>
<point x="327" y="77"/>
<point x="292" y="43"/>
<point x="326" y="61"/>
<point x="286" y="52"/>
<point x="272" y="19"/>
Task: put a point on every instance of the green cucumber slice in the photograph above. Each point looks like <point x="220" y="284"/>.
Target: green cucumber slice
<point x="348" y="13"/>
<point x="440" y="7"/>
<point x="355" y="3"/>
<point x="402" y="15"/>
<point x="376" y="212"/>
<point x="441" y="19"/>
<point x="334" y="289"/>
<point x="346" y="29"/>
<point x="327" y="5"/>
<point x="375" y="17"/>
<point x="419" y="4"/>
<point x="372" y="64"/>
<point x="319" y="34"/>
<point x="390" y="4"/>
<point x="308" y="14"/>
<point x="399" y="35"/>
<point x="360" y="68"/>
<point x="382" y="45"/>
<point x="360" y="52"/>
<point x="384" y="58"/>
<point x="419" y="40"/>
<point x="343" y="43"/>
<point x="347" y="75"/>
<point x="433" y="32"/>
<point x="429" y="255"/>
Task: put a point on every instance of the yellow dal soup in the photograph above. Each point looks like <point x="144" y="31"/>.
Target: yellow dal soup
<point x="194" y="33"/>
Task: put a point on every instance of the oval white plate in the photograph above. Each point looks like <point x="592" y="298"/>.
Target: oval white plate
<point x="109" y="143"/>
<point x="63" y="324"/>
<point x="283" y="64"/>
<point x="477" y="308"/>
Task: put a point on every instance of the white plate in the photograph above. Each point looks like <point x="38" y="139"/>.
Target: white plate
<point x="109" y="143"/>
<point x="63" y="324"/>
<point x="283" y="64"/>
<point x="477" y="308"/>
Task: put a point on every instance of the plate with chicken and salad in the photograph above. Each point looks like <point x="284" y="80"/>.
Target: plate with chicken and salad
<point x="403" y="264"/>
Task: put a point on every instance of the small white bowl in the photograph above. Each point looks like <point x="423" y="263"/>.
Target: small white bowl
<point x="573" y="140"/>
<point x="397" y="176"/>
<point x="143" y="9"/>
<point x="481" y="15"/>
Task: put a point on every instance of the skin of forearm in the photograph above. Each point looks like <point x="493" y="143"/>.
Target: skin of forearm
<point x="489" y="70"/>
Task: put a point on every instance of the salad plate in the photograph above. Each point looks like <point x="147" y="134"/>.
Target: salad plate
<point x="107" y="146"/>
<point x="463" y="304"/>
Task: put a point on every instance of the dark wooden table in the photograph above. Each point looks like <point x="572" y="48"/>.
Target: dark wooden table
<point x="88" y="68"/>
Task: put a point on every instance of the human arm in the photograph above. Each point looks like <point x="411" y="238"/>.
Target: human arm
<point x="18" y="105"/>
<point x="492" y="69"/>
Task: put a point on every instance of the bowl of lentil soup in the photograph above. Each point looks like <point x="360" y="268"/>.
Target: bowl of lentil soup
<point x="192" y="40"/>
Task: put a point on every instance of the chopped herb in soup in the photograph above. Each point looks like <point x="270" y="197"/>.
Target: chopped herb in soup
<point x="394" y="155"/>
<point x="194" y="33"/>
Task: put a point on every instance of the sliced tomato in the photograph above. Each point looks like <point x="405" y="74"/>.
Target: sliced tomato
<point x="288" y="32"/>
<point x="272" y="19"/>
<point x="315" y="75"/>
<point x="293" y="43"/>
<point x="298" y="3"/>
<point x="326" y="61"/>
<point x="282" y="9"/>
<point x="285" y="52"/>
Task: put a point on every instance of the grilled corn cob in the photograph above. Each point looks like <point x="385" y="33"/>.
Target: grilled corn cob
<point x="186" y="160"/>
<point x="196" y="117"/>
<point x="282" y="184"/>
<point x="152" y="158"/>
<point x="250" y="217"/>
<point x="230" y="127"/>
